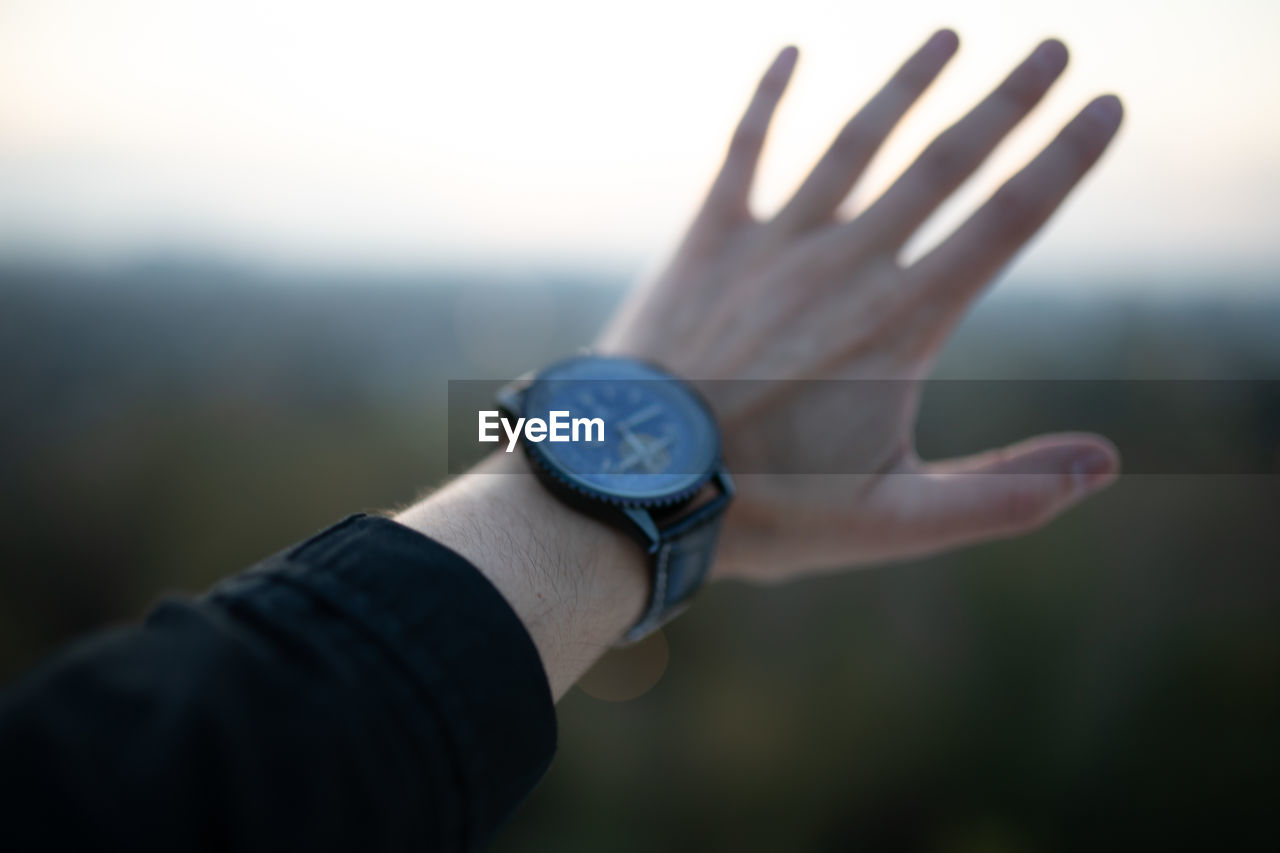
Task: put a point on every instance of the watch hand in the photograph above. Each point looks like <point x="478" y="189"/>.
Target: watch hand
<point x="630" y="438"/>
<point x="645" y="455"/>
<point x="637" y="418"/>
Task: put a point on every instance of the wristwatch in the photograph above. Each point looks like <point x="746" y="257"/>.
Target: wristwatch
<point x="637" y="448"/>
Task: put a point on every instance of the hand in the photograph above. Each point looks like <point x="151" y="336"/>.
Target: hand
<point x="805" y="295"/>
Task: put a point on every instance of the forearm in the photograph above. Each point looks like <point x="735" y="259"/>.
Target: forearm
<point x="575" y="583"/>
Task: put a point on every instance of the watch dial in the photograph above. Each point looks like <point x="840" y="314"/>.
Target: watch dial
<point x="659" y="439"/>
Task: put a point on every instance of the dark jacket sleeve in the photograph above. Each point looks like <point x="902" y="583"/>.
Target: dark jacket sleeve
<point x="366" y="690"/>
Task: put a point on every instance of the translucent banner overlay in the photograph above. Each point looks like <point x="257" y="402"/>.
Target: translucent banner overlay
<point x="1162" y="427"/>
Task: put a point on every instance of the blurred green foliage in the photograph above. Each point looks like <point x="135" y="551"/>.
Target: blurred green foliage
<point x="1111" y="682"/>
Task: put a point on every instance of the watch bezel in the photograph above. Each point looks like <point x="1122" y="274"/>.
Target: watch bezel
<point x="558" y="475"/>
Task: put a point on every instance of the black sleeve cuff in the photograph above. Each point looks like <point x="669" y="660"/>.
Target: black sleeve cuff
<point x="442" y="629"/>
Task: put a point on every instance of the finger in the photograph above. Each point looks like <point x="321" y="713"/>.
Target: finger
<point x="954" y="155"/>
<point x="731" y="191"/>
<point x="1008" y="491"/>
<point x="962" y="264"/>
<point x="857" y="142"/>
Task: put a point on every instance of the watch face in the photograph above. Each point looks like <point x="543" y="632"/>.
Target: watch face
<point x="659" y="442"/>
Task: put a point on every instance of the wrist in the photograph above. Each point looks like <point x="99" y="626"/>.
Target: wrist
<point x="576" y="584"/>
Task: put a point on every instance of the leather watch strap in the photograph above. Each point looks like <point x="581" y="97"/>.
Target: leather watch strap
<point x="680" y="565"/>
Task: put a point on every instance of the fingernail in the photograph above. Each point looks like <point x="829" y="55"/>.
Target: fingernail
<point x="1106" y="109"/>
<point x="1091" y="469"/>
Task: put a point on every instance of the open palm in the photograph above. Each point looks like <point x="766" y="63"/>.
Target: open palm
<point x="805" y="295"/>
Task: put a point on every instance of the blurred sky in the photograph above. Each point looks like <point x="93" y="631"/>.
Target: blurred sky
<point x="401" y="134"/>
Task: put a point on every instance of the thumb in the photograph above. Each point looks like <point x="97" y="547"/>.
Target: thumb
<point x="1011" y="490"/>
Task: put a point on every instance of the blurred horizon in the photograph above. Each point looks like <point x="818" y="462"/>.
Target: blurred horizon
<point x="1260" y="286"/>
